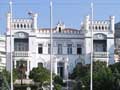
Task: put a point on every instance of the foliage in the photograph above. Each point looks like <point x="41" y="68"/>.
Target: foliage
<point x="15" y="74"/>
<point x="6" y="75"/>
<point x="58" y="80"/>
<point x="80" y="71"/>
<point x="6" y="78"/>
<point x="57" y="87"/>
<point x="104" y="78"/>
<point x="115" y="66"/>
<point x="40" y="75"/>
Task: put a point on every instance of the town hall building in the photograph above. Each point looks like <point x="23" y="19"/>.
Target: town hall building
<point x="31" y="44"/>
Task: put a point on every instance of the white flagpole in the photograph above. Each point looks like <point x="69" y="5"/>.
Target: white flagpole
<point x="91" y="67"/>
<point x="11" y="60"/>
<point x="51" y="41"/>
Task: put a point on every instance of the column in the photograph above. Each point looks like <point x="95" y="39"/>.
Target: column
<point x="27" y="73"/>
<point x="14" y="63"/>
<point x="66" y="68"/>
<point x="55" y="66"/>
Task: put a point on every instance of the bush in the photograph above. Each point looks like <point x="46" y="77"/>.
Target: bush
<point x="57" y="87"/>
<point x="58" y="80"/>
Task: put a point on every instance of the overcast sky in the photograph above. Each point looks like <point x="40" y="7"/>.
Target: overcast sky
<point x="70" y="12"/>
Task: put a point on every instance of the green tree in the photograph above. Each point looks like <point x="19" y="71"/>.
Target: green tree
<point x="6" y="78"/>
<point x="40" y="75"/>
<point x="80" y="71"/>
<point x="104" y="78"/>
<point x="58" y="80"/>
<point x="57" y="87"/>
<point x="116" y="74"/>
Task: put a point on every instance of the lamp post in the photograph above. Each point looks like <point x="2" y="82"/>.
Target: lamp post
<point x="51" y="41"/>
<point x="91" y="66"/>
<point x="11" y="60"/>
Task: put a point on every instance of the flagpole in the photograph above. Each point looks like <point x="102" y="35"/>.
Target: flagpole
<point x="91" y="67"/>
<point x="51" y="41"/>
<point x="11" y="60"/>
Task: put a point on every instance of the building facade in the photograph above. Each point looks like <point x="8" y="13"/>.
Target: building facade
<point x="31" y="45"/>
<point x="102" y="40"/>
<point x="117" y="42"/>
<point x="2" y="52"/>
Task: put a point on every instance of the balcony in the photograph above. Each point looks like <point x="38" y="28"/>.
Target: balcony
<point x="21" y="54"/>
<point x="100" y="55"/>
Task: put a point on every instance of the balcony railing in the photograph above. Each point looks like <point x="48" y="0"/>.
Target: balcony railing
<point x="25" y="81"/>
<point x="21" y="53"/>
<point x="100" y="54"/>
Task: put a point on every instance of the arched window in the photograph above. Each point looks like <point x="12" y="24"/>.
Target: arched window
<point x="28" y="26"/>
<point x="99" y="36"/>
<point x="21" y="26"/>
<point x="17" y="25"/>
<point x="99" y="28"/>
<point x="102" y="28"/>
<point x="106" y="28"/>
<point x="96" y="28"/>
<point x="21" y="42"/>
<point x="24" y="25"/>
<point x="59" y="29"/>
<point x="21" y="35"/>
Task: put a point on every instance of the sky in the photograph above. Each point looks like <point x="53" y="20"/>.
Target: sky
<point x="70" y="12"/>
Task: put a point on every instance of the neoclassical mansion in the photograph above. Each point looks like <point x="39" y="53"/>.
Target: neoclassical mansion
<point x="31" y="45"/>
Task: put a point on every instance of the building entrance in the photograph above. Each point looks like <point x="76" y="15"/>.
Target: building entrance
<point x="60" y="69"/>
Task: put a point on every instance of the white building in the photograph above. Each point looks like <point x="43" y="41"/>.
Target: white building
<point x="2" y="52"/>
<point x="31" y="45"/>
<point x="103" y="39"/>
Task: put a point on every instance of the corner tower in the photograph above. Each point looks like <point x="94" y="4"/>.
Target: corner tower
<point x="102" y="34"/>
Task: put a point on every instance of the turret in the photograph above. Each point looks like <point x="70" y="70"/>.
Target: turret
<point x="60" y="26"/>
<point x="112" y="23"/>
<point x="8" y="21"/>
<point x="34" y="17"/>
<point x="86" y="22"/>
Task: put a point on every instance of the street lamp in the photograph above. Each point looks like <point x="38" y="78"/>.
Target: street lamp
<point x="91" y="66"/>
<point x="51" y="41"/>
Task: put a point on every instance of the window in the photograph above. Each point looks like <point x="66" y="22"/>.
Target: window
<point x="69" y="48"/>
<point x="21" y="26"/>
<point x="79" y="49"/>
<point x="102" y="28"/>
<point x="28" y="26"/>
<point x="17" y="25"/>
<point x="21" y="45"/>
<point x="49" y="48"/>
<point x="59" y="29"/>
<point x="59" y="48"/>
<point x="96" y="28"/>
<point x="24" y="25"/>
<point x="40" y="48"/>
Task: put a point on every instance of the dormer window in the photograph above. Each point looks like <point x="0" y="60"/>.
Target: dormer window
<point x="59" y="29"/>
